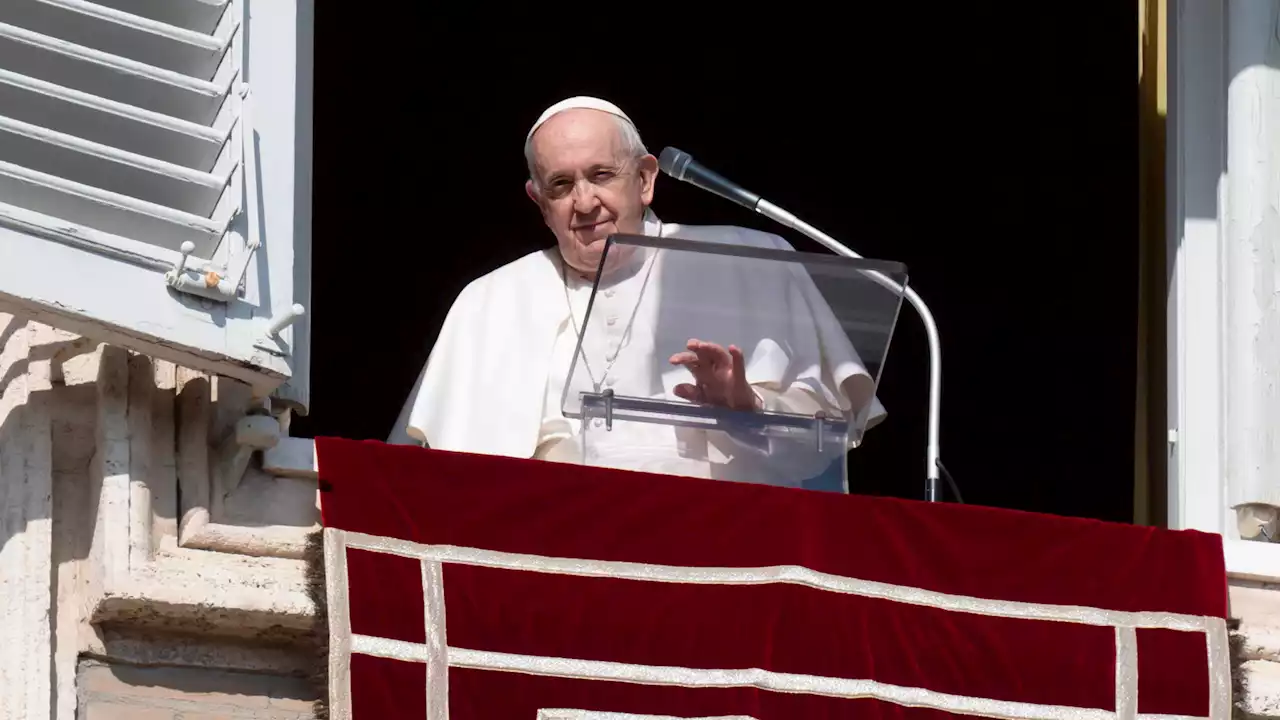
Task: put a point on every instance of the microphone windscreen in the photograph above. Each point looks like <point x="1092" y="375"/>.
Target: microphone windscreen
<point x="673" y="162"/>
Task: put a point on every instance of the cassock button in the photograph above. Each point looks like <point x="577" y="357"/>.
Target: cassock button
<point x="608" y="293"/>
<point x="611" y="320"/>
<point x="598" y="422"/>
<point x="610" y="381"/>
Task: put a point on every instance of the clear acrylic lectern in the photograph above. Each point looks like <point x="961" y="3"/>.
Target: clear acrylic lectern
<point x="813" y="331"/>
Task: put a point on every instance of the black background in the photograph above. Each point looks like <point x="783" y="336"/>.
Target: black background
<point x="994" y="151"/>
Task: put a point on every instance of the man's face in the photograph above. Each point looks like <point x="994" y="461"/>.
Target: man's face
<point x="588" y="187"/>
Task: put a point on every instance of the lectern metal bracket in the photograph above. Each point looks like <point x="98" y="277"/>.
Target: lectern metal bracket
<point x="819" y="429"/>
<point x="608" y="409"/>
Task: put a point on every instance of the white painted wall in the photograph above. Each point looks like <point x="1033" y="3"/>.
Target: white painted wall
<point x="1224" y="320"/>
<point x="1251" y="283"/>
<point x="1224" y="237"/>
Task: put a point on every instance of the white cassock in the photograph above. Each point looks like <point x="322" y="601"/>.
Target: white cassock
<point x="495" y="380"/>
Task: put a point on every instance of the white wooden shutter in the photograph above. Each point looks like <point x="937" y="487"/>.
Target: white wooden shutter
<point x="132" y="130"/>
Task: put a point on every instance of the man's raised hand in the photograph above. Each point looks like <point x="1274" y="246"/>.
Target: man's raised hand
<point x="720" y="376"/>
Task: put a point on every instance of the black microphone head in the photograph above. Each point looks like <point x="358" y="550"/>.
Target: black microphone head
<point x="673" y="162"/>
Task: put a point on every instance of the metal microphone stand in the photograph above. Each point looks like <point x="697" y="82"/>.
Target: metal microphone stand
<point x="681" y="166"/>
<point x="933" y="488"/>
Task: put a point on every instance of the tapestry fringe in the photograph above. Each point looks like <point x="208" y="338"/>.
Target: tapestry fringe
<point x="315" y="574"/>
<point x="314" y="558"/>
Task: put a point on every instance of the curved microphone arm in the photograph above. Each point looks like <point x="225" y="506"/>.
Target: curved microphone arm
<point x="933" y="491"/>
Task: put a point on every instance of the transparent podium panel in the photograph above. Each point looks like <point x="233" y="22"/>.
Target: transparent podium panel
<point x="734" y="362"/>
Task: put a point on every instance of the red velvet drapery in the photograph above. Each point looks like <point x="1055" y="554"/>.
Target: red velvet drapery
<point x="845" y="606"/>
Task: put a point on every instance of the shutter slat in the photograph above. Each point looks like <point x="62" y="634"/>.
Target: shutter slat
<point x="92" y="71"/>
<point x="103" y="126"/>
<point x="140" y="23"/>
<point x="82" y="236"/>
<point x="198" y="15"/>
<point x="108" y="211"/>
<point x="109" y="122"/>
<point x="120" y="34"/>
<point x="101" y="166"/>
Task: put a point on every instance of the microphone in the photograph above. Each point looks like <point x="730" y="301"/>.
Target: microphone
<point x="681" y="166"/>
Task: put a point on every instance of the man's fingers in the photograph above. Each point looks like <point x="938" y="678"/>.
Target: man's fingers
<point x="684" y="358"/>
<point x="707" y="361"/>
<point x="702" y="371"/>
<point x="710" y="353"/>
<point x="701" y="346"/>
<point x="689" y="392"/>
<point x="739" y="366"/>
<point x="714" y="356"/>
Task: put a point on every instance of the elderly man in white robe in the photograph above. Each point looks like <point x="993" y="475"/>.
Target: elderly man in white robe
<point x="495" y="380"/>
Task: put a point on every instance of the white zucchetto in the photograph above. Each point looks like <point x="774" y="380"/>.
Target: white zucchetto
<point x="574" y="103"/>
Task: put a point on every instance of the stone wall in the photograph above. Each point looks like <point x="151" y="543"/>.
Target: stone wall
<point x="110" y="691"/>
<point x="1257" y="605"/>
<point x="135" y="531"/>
